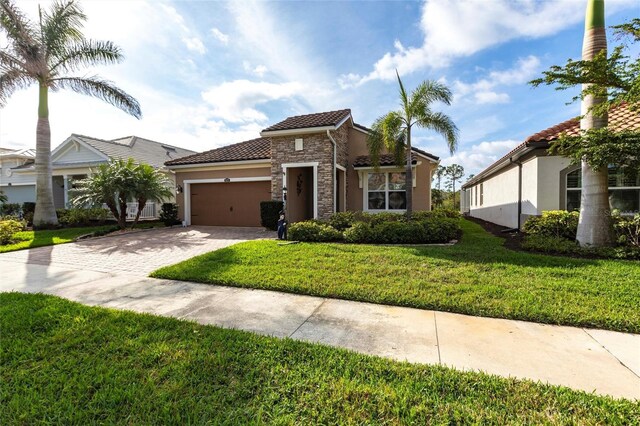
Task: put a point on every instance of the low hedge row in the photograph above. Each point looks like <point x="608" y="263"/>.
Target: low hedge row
<point x="377" y="229"/>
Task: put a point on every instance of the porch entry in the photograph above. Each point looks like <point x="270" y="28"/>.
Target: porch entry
<point x="300" y="193"/>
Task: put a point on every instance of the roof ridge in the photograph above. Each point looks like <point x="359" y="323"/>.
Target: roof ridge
<point x="322" y="112"/>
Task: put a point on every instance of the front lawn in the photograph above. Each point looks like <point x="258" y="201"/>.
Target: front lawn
<point x="39" y="238"/>
<point x="477" y="276"/>
<point x="65" y="363"/>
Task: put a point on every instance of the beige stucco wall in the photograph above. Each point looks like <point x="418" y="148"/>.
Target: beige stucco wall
<point x="355" y="195"/>
<point x="549" y="168"/>
<point x="500" y="200"/>
<point x="215" y="173"/>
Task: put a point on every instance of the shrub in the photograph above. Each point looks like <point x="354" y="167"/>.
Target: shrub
<point x="270" y="213"/>
<point x="10" y="209"/>
<point x="550" y="244"/>
<point x="444" y="212"/>
<point x="360" y="232"/>
<point x="627" y="230"/>
<point x="28" y="209"/>
<point x="81" y="217"/>
<point x="169" y="214"/>
<point x="553" y="223"/>
<point x="342" y="220"/>
<point x="313" y="232"/>
<point x="8" y="228"/>
<point x="426" y="231"/>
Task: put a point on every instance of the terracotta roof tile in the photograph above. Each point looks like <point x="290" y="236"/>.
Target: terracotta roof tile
<point x="254" y="149"/>
<point x="321" y="119"/>
<point x="385" y="160"/>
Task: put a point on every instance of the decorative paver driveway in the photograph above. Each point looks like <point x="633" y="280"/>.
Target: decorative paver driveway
<point x="137" y="253"/>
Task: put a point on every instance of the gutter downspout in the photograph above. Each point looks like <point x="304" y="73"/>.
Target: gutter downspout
<point x="335" y="169"/>
<point x="519" y="163"/>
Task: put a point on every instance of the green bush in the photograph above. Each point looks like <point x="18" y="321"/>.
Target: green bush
<point x="82" y="217"/>
<point x="553" y="223"/>
<point x="550" y="244"/>
<point x="342" y="220"/>
<point x="313" y="232"/>
<point x="10" y="209"/>
<point x="627" y="230"/>
<point x="360" y="232"/>
<point x="8" y="228"/>
<point x="169" y="214"/>
<point x="445" y="212"/>
<point x="270" y="213"/>
<point x="28" y="209"/>
<point x="426" y="231"/>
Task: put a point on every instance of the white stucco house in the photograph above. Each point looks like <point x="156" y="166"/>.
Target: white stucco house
<point x="73" y="160"/>
<point x="527" y="181"/>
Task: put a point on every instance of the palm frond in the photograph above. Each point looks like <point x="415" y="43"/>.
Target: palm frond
<point x="10" y="82"/>
<point x="387" y="133"/>
<point x="101" y="89"/>
<point x="426" y="94"/>
<point x="10" y="62"/>
<point x="441" y="123"/>
<point x="403" y="93"/>
<point x="20" y="31"/>
<point x="87" y="53"/>
<point x="61" y="25"/>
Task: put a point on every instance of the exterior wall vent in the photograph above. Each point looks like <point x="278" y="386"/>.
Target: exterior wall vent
<point x="299" y="145"/>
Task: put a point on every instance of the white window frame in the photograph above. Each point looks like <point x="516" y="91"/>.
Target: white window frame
<point x="609" y="188"/>
<point x="365" y="192"/>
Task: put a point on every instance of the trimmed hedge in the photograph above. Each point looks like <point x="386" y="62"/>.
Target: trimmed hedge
<point x="553" y="223"/>
<point x="82" y="217"/>
<point x="270" y="213"/>
<point x="312" y="231"/>
<point x="558" y="245"/>
<point x="8" y="228"/>
<point x="169" y="214"/>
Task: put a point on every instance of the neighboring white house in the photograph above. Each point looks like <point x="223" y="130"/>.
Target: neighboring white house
<point x="527" y="181"/>
<point x="73" y="160"/>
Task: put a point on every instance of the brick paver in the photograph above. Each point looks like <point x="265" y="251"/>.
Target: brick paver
<point x="137" y="253"/>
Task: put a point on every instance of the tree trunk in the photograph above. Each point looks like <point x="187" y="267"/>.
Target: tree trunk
<point x="122" y="219"/>
<point x="141" y="203"/>
<point x="594" y="226"/>
<point x="45" y="212"/>
<point x="454" y="192"/>
<point x="409" y="176"/>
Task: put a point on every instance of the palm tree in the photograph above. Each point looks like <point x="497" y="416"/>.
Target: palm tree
<point x="393" y="130"/>
<point x="44" y="53"/>
<point x="149" y="185"/>
<point x="595" y="218"/>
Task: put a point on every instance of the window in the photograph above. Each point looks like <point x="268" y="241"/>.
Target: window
<point x="475" y="190"/>
<point x="481" y="193"/>
<point x="386" y="191"/>
<point x="624" y="190"/>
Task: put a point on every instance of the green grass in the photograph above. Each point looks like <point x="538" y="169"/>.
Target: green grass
<point x="477" y="276"/>
<point x="65" y="363"/>
<point x="31" y="239"/>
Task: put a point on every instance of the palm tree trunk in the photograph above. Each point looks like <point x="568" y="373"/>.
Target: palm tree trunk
<point x="594" y="226"/>
<point x="141" y="203"/>
<point x="45" y="212"/>
<point x="409" y="176"/>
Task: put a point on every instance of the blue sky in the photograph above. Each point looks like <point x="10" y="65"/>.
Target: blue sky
<point x="212" y="73"/>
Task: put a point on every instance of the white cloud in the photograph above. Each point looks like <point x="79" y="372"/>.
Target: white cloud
<point x="483" y="91"/>
<point x="453" y="29"/>
<point x="194" y="44"/>
<point x="479" y="156"/>
<point x="220" y="36"/>
<point x="236" y="101"/>
<point x="259" y="70"/>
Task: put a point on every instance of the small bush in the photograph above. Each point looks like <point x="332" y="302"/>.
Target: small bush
<point x="8" y="228"/>
<point x="444" y="212"/>
<point x="426" y="231"/>
<point x="270" y="213"/>
<point x="82" y="217"/>
<point x="360" y="232"/>
<point x="627" y="230"/>
<point x="169" y="214"/>
<point x="313" y="232"/>
<point x="550" y="244"/>
<point x="553" y="223"/>
<point x="342" y="220"/>
<point x="10" y="209"/>
<point x="28" y="209"/>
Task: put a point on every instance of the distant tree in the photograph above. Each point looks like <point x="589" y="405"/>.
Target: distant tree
<point x="471" y="176"/>
<point x="393" y="130"/>
<point x="437" y="197"/>
<point x="455" y="172"/>
<point x="44" y="53"/>
<point x="440" y="172"/>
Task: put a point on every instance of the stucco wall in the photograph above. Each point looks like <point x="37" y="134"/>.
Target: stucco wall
<point x="500" y="198"/>
<point x="529" y="187"/>
<point x="549" y="185"/>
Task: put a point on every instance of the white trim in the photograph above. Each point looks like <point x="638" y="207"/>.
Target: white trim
<point x="341" y="122"/>
<point x="65" y="183"/>
<point x="18" y="184"/>
<point x="297" y="131"/>
<point x="56" y="152"/>
<point x="339" y="167"/>
<point x="221" y="163"/>
<point x="360" y="130"/>
<point x="186" y="189"/>
<point x="313" y="164"/>
<point x="365" y="193"/>
<point x="425" y="157"/>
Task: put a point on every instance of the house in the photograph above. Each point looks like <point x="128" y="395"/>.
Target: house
<point x="318" y="162"/>
<point x="527" y="180"/>
<point x="16" y="188"/>
<point x="73" y="160"/>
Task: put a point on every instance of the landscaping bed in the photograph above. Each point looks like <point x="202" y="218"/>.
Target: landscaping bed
<point x="478" y="276"/>
<point x="65" y="363"/>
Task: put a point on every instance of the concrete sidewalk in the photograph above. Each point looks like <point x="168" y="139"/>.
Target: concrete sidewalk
<point x="604" y="362"/>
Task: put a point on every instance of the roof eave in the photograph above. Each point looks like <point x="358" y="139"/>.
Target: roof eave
<point x="218" y="163"/>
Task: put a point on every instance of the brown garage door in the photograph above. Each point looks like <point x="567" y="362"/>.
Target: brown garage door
<point x="228" y="204"/>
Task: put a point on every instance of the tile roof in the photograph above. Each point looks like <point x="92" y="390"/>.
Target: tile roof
<point x="621" y="118"/>
<point x="140" y="149"/>
<point x="254" y="149"/>
<point x="385" y="160"/>
<point x="320" y="119"/>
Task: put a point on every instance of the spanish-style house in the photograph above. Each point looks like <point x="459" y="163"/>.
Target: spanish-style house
<point x="73" y="160"/>
<point x="318" y="162"/>
<point x="527" y="180"/>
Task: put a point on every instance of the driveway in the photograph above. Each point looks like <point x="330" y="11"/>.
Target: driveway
<point x="137" y="253"/>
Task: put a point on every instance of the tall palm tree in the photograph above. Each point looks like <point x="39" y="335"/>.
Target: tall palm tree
<point x="45" y="53"/>
<point x="393" y="130"/>
<point x="595" y="218"/>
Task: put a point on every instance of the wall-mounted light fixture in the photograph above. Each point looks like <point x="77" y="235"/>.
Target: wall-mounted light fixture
<point x="179" y="189"/>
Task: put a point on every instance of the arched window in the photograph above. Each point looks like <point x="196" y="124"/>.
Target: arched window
<point x="624" y="190"/>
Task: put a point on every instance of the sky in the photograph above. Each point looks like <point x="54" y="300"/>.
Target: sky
<point x="211" y="73"/>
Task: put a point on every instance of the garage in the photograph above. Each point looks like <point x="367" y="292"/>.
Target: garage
<point x="228" y="203"/>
